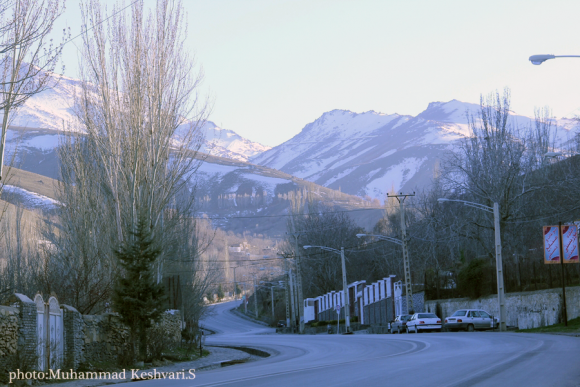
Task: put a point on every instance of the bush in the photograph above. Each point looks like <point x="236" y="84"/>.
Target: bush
<point x="13" y="362"/>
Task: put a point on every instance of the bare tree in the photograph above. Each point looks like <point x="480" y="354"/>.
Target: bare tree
<point x="20" y="251"/>
<point x="133" y="152"/>
<point x="319" y="225"/>
<point x="28" y="56"/>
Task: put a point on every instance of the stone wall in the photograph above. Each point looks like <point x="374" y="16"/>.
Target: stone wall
<point x="87" y="339"/>
<point x="418" y="302"/>
<point x="524" y="309"/>
<point x="27" y="333"/>
<point x="105" y="337"/>
<point x="9" y="329"/>
<point x="170" y="325"/>
<point x="74" y="336"/>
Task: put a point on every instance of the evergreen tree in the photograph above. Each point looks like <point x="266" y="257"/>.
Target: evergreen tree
<point x="138" y="298"/>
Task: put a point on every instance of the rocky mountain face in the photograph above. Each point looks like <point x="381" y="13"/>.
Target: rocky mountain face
<point x="54" y="109"/>
<point x="369" y="154"/>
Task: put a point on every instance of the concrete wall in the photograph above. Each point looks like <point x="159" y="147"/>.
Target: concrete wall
<point x="524" y="309"/>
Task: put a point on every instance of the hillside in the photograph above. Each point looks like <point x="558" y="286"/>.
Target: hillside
<point x="238" y="196"/>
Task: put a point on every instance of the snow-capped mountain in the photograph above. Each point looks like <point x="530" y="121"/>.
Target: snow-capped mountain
<point x="371" y="153"/>
<point x="53" y="109"/>
<point x="227" y="143"/>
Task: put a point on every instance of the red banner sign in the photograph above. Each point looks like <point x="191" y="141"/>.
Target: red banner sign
<point x="551" y="244"/>
<point x="569" y="243"/>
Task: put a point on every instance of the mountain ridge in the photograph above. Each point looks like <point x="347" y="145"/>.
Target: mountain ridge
<point x="366" y="154"/>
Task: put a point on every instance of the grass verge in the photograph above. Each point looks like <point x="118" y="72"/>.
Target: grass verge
<point x="573" y="326"/>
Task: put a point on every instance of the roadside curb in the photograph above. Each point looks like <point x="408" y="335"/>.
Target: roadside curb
<point x="232" y="356"/>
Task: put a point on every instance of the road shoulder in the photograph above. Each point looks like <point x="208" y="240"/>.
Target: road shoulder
<point x="218" y="357"/>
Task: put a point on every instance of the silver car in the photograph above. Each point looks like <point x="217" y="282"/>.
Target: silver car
<point x="399" y="325"/>
<point x="470" y="320"/>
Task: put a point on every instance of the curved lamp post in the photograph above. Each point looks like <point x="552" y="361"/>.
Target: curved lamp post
<point x="498" y="259"/>
<point x="344" y="284"/>
<point x="406" y="266"/>
<point x="539" y="59"/>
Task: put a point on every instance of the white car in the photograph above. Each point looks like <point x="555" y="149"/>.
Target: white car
<point x="423" y="322"/>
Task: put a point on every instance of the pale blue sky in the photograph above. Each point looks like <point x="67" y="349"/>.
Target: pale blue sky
<point x="272" y="66"/>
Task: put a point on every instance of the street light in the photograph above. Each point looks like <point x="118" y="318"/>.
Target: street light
<point x="406" y="266"/>
<point x="344" y="284"/>
<point x="553" y="155"/>
<point x="539" y="59"/>
<point x="498" y="260"/>
<point x="383" y="237"/>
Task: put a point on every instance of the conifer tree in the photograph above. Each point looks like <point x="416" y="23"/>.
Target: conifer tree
<point x="138" y="298"/>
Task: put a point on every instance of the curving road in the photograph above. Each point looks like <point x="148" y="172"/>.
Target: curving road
<point x="427" y="359"/>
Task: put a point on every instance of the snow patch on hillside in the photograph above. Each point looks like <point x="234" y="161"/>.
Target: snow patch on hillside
<point x="395" y="176"/>
<point x="30" y="199"/>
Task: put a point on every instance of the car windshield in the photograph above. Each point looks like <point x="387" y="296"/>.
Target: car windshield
<point x="405" y="318"/>
<point x="427" y="315"/>
<point x="484" y="314"/>
<point x="459" y="313"/>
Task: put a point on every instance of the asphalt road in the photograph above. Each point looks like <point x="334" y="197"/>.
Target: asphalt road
<point x="425" y="359"/>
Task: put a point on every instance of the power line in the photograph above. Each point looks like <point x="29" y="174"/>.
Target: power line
<point x="99" y="23"/>
<point x="286" y="215"/>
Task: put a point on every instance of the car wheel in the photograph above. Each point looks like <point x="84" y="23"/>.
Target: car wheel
<point x="470" y="328"/>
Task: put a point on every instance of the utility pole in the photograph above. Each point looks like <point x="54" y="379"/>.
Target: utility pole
<point x="255" y="298"/>
<point x="345" y="289"/>
<point x="293" y="320"/>
<point x="235" y="283"/>
<point x="299" y="286"/>
<point x="408" y="287"/>
<point x="564" y="311"/>
<point x="287" y="291"/>
<point x="499" y="268"/>
<point x="298" y="278"/>
<point x="272" y="290"/>
<point x="245" y="298"/>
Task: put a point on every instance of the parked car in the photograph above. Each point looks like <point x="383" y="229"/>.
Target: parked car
<point x="423" y="322"/>
<point x="281" y="324"/>
<point x="398" y="326"/>
<point x="470" y="320"/>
